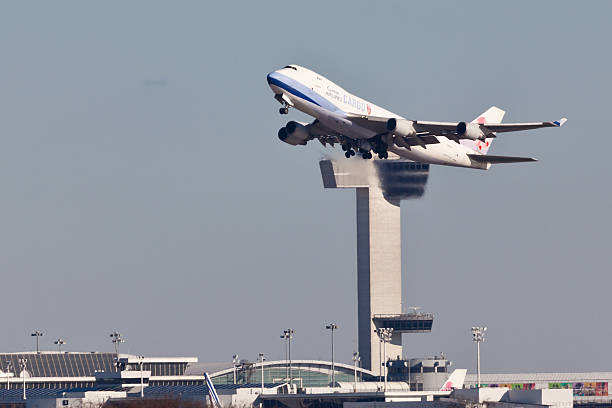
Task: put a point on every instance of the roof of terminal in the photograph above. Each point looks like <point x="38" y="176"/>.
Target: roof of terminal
<point x="75" y="364"/>
<point x="215" y="369"/>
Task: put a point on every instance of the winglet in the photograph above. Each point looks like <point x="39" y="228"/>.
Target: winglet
<point x="560" y="122"/>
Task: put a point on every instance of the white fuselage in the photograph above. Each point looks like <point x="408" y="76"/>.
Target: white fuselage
<point x="320" y="98"/>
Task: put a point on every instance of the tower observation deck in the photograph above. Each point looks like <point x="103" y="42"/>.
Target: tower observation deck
<point x="405" y="322"/>
<point x="380" y="185"/>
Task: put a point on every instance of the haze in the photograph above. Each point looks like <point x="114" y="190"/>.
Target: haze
<point x="145" y="191"/>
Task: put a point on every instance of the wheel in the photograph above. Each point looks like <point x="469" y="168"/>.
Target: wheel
<point x="352" y="152"/>
<point x="344" y="147"/>
<point x="385" y="155"/>
<point x="365" y="156"/>
<point x="381" y="156"/>
<point x="347" y="155"/>
<point x="283" y="111"/>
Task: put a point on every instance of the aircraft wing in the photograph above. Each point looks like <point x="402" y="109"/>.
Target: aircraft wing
<point x="443" y="128"/>
<point x="427" y="130"/>
<point x="377" y="124"/>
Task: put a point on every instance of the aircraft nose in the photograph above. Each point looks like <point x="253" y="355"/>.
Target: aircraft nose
<point x="270" y="77"/>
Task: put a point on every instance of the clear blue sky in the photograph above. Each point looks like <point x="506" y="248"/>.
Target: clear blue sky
<point x="144" y="189"/>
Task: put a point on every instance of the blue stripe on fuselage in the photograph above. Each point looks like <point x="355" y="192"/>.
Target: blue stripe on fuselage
<point x="298" y="89"/>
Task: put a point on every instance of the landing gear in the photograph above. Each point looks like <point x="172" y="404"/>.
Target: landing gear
<point x="366" y="155"/>
<point x="381" y="150"/>
<point x="283" y="111"/>
<point x="350" y="152"/>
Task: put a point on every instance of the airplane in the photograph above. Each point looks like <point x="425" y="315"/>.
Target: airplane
<point x="363" y="127"/>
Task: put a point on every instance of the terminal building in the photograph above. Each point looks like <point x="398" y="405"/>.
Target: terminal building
<point x="55" y="374"/>
<point x="589" y="388"/>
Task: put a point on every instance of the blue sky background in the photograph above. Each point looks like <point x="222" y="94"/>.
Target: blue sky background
<point x="144" y="189"/>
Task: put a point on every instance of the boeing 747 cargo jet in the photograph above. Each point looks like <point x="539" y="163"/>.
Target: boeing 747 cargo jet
<point x="360" y="126"/>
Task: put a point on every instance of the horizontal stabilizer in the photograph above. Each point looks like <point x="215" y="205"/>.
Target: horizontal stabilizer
<point x="485" y="158"/>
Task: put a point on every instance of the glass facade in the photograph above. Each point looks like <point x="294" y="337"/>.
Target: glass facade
<point x="160" y="369"/>
<point x="304" y="375"/>
<point x="405" y="323"/>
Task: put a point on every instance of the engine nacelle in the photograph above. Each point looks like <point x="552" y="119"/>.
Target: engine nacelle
<point x="471" y="131"/>
<point x="298" y="130"/>
<point x="401" y="127"/>
<point x="294" y="133"/>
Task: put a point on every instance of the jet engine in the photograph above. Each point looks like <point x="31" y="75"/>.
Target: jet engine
<point x="471" y="131"/>
<point x="401" y="127"/>
<point x="294" y="133"/>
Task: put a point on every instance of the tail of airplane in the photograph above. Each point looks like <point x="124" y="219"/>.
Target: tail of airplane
<point x="212" y="393"/>
<point x="456" y="379"/>
<point x="491" y="115"/>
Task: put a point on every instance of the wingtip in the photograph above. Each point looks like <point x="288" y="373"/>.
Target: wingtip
<point x="560" y="122"/>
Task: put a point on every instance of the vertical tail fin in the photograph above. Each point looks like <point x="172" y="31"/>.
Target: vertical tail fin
<point x="491" y="115"/>
<point x="456" y="379"/>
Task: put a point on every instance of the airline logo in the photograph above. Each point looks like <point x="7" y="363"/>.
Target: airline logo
<point x="448" y="386"/>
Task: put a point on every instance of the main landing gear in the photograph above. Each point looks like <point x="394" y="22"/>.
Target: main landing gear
<point x="348" y="151"/>
<point x="283" y="111"/>
<point x="365" y="150"/>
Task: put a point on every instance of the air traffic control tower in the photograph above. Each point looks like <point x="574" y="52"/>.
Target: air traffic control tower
<point x="380" y="186"/>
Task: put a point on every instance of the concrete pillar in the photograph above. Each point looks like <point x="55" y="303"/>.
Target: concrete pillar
<point x="379" y="272"/>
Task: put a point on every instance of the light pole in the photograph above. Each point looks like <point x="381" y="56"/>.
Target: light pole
<point x="23" y="363"/>
<point x="140" y="362"/>
<point x="356" y="358"/>
<point x="478" y="333"/>
<point x="262" y="359"/>
<point x="286" y="336"/>
<point x="234" y="362"/>
<point x="378" y="331"/>
<point x="116" y="340"/>
<point x="9" y="367"/>
<point x="332" y="327"/>
<point x="38" y="335"/>
<point x="386" y="335"/>
<point x="60" y="342"/>
<point x="289" y="335"/>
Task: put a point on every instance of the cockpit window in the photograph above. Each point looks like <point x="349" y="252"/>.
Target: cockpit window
<point x="290" y="66"/>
